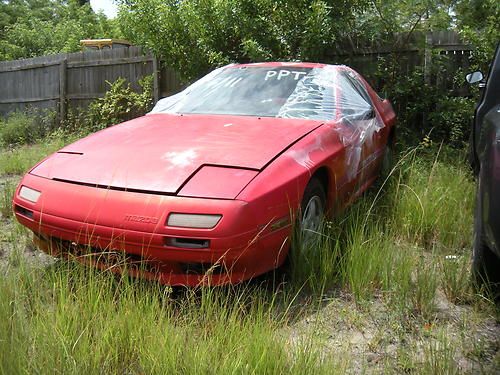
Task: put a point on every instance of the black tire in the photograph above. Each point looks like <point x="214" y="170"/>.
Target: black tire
<point x="485" y="263"/>
<point x="286" y="271"/>
<point x="314" y="193"/>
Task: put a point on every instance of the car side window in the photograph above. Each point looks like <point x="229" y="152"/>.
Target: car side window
<point x="357" y="104"/>
<point x="359" y="87"/>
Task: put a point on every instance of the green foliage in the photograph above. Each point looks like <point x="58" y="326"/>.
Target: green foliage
<point x="478" y="24"/>
<point x="426" y="109"/>
<point x="410" y="96"/>
<point x="25" y="127"/>
<point x="427" y="105"/>
<point x="120" y="103"/>
<point x="451" y="119"/>
<point x="387" y="17"/>
<point x="198" y="35"/>
<point x="75" y="320"/>
<point x="195" y="36"/>
<point x="31" y="28"/>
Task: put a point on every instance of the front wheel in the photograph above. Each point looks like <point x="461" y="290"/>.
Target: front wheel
<point x="306" y="234"/>
<point x="313" y="207"/>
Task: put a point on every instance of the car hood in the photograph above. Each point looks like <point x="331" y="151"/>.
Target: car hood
<point x="160" y="152"/>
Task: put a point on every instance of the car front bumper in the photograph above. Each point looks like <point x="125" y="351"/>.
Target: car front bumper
<point x="89" y="223"/>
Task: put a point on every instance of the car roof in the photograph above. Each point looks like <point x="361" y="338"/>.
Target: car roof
<point x="291" y="64"/>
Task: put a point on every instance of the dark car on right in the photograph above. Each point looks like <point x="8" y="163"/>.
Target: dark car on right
<point x="485" y="159"/>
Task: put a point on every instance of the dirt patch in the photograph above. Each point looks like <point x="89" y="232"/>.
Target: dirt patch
<point x="378" y="339"/>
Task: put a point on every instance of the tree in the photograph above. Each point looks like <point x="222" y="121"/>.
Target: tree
<point x="478" y="23"/>
<point x="385" y="18"/>
<point x="31" y="28"/>
<point x="197" y="35"/>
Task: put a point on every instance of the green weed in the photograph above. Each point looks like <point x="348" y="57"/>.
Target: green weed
<point x="6" y="195"/>
<point x="25" y="127"/>
<point x="424" y="289"/>
<point x="314" y="264"/>
<point x="439" y="356"/>
<point x="433" y="202"/>
<point x="455" y="278"/>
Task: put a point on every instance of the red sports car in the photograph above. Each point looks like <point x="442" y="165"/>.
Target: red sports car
<point x="205" y="188"/>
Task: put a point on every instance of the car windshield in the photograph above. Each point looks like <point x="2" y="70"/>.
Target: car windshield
<point x="285" y="92"/>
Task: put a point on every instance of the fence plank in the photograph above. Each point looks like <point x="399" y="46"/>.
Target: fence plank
<point x="62" y="89"/>
<point x="117" y="61"/>
<point x="428" y="57"/>
<point x="29" y="66"/>
<point x="28" y="100"/>
<point x="156" y="80"/>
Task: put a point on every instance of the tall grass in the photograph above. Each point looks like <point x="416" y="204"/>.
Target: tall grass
<point x="72" y="319"/>
<point x="439" y="357"/>
<point x="394" y="241"/>
<point x="433" y="199"/>
<point x="6" y="195"/>
<point x="454" y="271"/>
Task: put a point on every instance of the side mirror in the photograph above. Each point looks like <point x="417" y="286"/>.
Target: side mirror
<point x="474" y="77"/>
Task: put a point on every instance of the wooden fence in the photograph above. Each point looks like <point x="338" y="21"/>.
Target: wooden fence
<point x="440" y="54"/>
<point x="72" y="80"/>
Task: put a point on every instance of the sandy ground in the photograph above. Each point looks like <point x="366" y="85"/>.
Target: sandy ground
<point x="378" y="339"/>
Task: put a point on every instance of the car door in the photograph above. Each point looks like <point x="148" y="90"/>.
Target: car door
<point x="361" y="126"/>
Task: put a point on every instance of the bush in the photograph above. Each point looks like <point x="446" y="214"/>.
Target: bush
<point x="423" y="108"/>
<point x="25" y="127"/>
<point x="452" y="119"/>
<point x="119" y="104"/>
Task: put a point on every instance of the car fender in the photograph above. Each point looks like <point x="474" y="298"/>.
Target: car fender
<point x="277" y="190"/>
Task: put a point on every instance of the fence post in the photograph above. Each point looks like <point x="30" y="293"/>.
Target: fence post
<point x="62" y="89"/>
<point x="428" y="57"/>
<point x="156" y="80"/>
